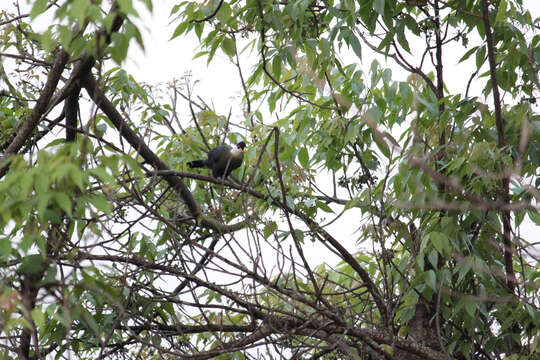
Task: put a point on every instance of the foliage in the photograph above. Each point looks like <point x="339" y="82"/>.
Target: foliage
<point x="385" y="213"/>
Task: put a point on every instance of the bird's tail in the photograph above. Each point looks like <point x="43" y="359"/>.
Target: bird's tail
<point x="196" y="164"/>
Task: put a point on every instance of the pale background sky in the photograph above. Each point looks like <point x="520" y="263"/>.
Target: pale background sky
<point x="164" y="59"/>
<point x="219" y="84"/>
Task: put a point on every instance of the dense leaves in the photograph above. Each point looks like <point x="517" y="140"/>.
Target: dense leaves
<point x="387" y="206"/>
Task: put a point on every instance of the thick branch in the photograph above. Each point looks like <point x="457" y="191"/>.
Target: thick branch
<point x="505" y="183"/>
<point x="33" y="119"/>
<point x="71" y="108"/>
<point x="92" y="87"/>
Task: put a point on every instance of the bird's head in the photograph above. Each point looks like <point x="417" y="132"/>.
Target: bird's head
<point x="241" y="146"/>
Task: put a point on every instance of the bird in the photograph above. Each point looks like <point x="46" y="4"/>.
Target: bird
<point x="222" y="160"/>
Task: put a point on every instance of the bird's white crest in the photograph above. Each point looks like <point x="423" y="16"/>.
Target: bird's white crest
<point x="236" y="151"/>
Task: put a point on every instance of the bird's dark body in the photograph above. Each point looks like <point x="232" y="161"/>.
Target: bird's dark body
<point x="221" y="160"/>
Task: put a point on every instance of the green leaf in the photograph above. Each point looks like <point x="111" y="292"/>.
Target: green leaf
<point x="26" y="181"/>
<point x="470" y="307"/>
<point x="39" y="7"/>
<point x="433" y="258"/>
<point x="276" y="67"/>
<point x="269" y="229"/>
<point x="431" y="279"/>
<point x="38" y="317"/>
<point x="378" y="5"/>
<point x="290" y="202"/>
<point x="87" y="316"/>
<point x="126" y="6"/>
<point x="5" y="247"/>
<point x="119" y="47"/>
<point x="468" y="54"/>
<point x="65" y="36"/>
<point x="31" y="264"/>
<point x="101" y="174"/>
<point x="229" y="47"/>
<point x="352" y="203"/>
<point x="406" y="313"/>
<point x="534" y="215"/>
<point x="199" y="27"/>
<point x="439" y="241"/>
<point x="78" y="9"/>
<point x="382" y="145"/>
<point x="501" y="11"/>
<point x="430" y="106"/>
<point x="180" y="29"/>
<point x="303" y="157"/>
<point x="324" y="207"/>
<point x="43" y="201"/>
<point x="401" y="37"/>
<point x="47" y="40"/>
<point x="64" y="202"/>
<point x="299" y="235"/>
<point x="355" y="44"/>
<point x="224" y="13"/>
<point x="100" y="203"/>
<point x="480" y="56"/>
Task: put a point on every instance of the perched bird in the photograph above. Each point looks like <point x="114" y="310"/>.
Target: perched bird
<point x="222" y="159"/>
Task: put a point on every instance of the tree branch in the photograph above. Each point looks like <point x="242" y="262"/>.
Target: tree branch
<point x="34" y="118"/>
<point x="99" y="98"/>
<point x="505" y="183"/>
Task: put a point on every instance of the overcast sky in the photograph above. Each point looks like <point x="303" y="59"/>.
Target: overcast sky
<point x="164" y="60"/>
<point x="219" y="82"/>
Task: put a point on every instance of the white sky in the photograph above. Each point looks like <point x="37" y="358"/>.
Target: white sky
<point x="164" y="60"/>
<point x="219" y="83"/>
